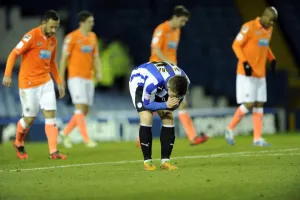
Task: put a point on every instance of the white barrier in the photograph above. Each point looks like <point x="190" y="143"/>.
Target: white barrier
<point x="124" y="125"/>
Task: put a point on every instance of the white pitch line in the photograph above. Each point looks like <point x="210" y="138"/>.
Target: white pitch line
<point x="235" y="154"/>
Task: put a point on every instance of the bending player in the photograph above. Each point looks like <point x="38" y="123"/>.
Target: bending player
<point x="36" y="88"/>
<point x="161" y="87"/>
<point x="164" y="48"/>
<point x="251" y="47"/>
<point x="82" y="60"/>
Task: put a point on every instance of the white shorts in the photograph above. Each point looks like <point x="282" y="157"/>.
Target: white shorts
<point x="82" y="90"/>
<point x="132" y="90"/>
<point x="250" y="89"/>
<point x="136" y="93"/>
<point x="42" y="96"/>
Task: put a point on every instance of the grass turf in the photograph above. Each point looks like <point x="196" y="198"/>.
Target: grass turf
<point x="212" y="170"/>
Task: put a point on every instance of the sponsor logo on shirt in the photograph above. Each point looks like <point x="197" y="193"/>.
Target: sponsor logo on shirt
<point x="45" y="54"/>
<point x="263" y="42"/>
<point x="86" y="49"/>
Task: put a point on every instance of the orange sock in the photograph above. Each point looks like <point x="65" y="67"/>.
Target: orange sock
<point x="257" y="117"/>
<point x="52" y="134"/>
<point x="238" y="116"/>
<point x="81" y="123"/>
<point x="21" y="132"/>
<point x="70" y="126"/>
<point x="188" y="125"/>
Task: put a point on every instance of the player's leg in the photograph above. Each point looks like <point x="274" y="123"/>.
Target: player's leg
<point x="79" y="94"/>
<point x="90" y="89"/>
<point x="167" y="139"/>
<point x="258" y="112"/>
<point x="188" y="125"/>
<point x="79" y="114"/>
<point x="74" y="90"/>
<point x="48" y="105"/>
<point x="145" y="130"/>
<point x="145" y="135"/>
<point x="30" y="106"/>
<point x="245" y="94"/>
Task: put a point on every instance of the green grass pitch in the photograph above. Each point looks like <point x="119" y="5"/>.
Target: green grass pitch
<point x="213" y="170"/>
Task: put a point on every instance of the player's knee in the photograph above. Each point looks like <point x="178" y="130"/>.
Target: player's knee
<point x="259" y="104"/>
<point x="84" y="109"/>
<point x="167" y="117"/>
<point x="28" y="120"/>
<point x="249" y="106"/>
<point x="49" y="114"/>
<point x="146" y="117"/>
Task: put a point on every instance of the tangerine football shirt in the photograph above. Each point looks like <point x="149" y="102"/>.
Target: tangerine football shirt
<point x="38" y="58"/>
<point x="82" y="50"/>
<point x="252" y="45"/>
<point x="166" y="39"/>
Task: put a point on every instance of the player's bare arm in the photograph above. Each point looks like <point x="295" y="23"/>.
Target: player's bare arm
<point x="57" y="78"/>
<point x="63" y="66"/>
<point x="61" y="90"/>
<point x="55" y="74"/>
<point x="7" y="80"/>
<point x="97" y="68"/>
<point x="60" y="84"/>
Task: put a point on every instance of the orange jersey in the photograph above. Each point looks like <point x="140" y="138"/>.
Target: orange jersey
<point x="38" y="58"/>
<point x="82" y="50"/>
<point x="166" y="39"/>
<point x="252" y="45"/>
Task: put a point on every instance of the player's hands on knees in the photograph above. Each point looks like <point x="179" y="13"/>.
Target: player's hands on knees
<point x="248" y="69"/>
<point x="172" y="102"/>
<point x="61" y="90"/>
<point x="7" y="81"/>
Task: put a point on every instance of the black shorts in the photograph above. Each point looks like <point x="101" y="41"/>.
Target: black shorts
<point x="139" y="101"/>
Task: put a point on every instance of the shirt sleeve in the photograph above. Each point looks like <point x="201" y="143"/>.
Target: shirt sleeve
<point x="240" y="40"/>
<point x="158" y="37"/>
<point x="68" y="44"/>
<point x="149" y="92"/>
<point x="96" y="48"/>
<point x="270" y="55"/>
<point x="25" y="44"/>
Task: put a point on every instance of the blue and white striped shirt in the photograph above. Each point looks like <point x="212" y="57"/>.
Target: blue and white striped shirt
<point x="153" y="77"/>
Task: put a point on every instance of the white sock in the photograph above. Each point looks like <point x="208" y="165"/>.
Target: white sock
<point x="164" y="160"/>
<point x="23" y="123"/>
